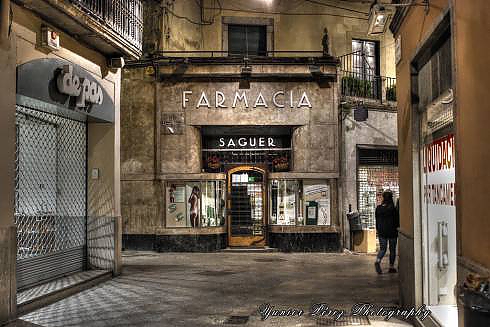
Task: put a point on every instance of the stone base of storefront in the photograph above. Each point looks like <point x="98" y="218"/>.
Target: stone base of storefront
<point x="211" y="239"/>
<point x="139" y="242"/>
<point x="175" y="242"/>
<point x="191" y="243"/>
<point x="305" y="242"/>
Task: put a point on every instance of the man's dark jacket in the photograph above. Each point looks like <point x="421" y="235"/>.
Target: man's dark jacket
<point x="387" y="221"/>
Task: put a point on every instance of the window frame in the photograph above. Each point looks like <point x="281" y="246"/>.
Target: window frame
<point x="184" y="183"/>
<point x="300" y="203"/>
<point x="261" y="21"/>
<point x="376" y="56"/>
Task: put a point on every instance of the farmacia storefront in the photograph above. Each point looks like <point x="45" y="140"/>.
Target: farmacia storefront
<point x="214" y="156"/>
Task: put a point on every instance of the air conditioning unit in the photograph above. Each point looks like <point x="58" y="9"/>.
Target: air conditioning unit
<point x="50" y="39"/>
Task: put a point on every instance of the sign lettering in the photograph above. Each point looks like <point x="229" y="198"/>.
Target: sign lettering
<point x="279" y="99"/>
<point x="81" y="88"/>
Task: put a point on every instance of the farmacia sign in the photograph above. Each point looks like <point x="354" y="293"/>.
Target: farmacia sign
<point x="218" y="99"/>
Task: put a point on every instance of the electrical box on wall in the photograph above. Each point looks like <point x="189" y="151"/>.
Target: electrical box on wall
<point x="50" y="39"/>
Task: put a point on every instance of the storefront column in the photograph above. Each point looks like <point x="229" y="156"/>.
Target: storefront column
<point x="103" y="188"/>
<point x="8" y="244"/>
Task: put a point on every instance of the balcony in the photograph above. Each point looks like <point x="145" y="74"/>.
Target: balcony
<point x="113" y="27"/>
<point x="359" y="82"/>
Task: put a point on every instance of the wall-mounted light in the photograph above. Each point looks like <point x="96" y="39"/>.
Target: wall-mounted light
<point x="380" y="13"/>
<point x="378" y="19"/>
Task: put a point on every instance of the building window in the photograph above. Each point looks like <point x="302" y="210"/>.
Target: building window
<point x="284" y="196"/>
<point x="299" y="202"/>
<point x="377" y="172"/>
<point x="316" y="202"/>
<point x="195" y="204"/>
<point x="365" y="58"/>
<point x="247" y="40"/>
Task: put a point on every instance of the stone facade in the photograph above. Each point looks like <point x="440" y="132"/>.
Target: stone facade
<point x="151" y="156"/>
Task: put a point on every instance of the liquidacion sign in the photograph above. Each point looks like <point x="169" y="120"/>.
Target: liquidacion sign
<point x="279" y="99"/>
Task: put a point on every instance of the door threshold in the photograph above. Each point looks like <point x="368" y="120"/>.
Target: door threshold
<point x="249" y="249"/>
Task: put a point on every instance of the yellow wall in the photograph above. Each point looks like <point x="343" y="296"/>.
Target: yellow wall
<point x="291" y="32"/>
<point x="471" y="29"/>
<point x="178" y="33"/>
<point x="415" y="29"/>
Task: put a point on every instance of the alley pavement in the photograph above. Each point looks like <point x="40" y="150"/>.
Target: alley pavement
<point x="227" y="289"/>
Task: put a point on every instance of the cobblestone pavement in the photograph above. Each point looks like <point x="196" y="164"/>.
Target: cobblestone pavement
<point x="225" y="289"/>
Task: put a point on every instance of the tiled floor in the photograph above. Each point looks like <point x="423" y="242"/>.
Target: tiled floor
<point x="208" y="289"/>
<point x="57" y="285"/>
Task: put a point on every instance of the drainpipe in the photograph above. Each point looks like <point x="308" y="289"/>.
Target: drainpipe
<point x="4" y="24"/>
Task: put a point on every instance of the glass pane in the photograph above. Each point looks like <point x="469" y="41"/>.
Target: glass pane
<point x="247" y="39"/>
<point x="283" y="201"/>
<point x="176" y="205"/>
<point x="213" y="204"/>
<point x="371" y="65"/>
<point x="356" y="45"/>
<point x="209" y="208"/>
<point x="316" y="202"/>
<point x="193" y="195"/>
<point x="246" y="203"/>
<point x="369" y="48"/>
<point x="237" y="39"/>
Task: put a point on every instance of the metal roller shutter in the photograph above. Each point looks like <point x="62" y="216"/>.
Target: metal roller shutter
<point x="50" y="196"/>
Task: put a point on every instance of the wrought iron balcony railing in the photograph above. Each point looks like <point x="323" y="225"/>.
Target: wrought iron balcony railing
<point x="125" y="17"/>
<point x="358" y="79"/>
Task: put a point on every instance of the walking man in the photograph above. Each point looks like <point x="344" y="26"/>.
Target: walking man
<point x="387" y="223"/>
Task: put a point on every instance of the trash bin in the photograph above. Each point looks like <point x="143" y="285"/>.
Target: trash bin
<point x="476" y="308"/>
<point x="354" y="221"/>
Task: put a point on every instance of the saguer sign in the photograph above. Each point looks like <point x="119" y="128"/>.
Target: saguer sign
<point x="279" y="99"/>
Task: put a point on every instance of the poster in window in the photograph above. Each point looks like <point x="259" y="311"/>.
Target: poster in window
<point x="193" y="191"/>
<point x="176" y="215"/>
<point x="319" y="193"/>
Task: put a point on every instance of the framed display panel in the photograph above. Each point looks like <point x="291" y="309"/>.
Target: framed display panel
<point x="299" y="202"/>
<point x="317" y="198"/>
<point x="284" y="196"/>
<point x="195" y="204"/>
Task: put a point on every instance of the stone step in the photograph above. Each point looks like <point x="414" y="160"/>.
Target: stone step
<point x="239" y="249"/>
<point x="55" y="290"/>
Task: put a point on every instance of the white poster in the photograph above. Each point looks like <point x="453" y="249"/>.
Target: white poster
<point x="439" y="207"/>
<point x="320" y="193"/>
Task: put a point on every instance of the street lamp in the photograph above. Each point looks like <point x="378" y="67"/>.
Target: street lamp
<point x="379" y="14"/>
<point x="378" y="19"/>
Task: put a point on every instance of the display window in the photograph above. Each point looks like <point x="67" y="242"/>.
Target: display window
<point x="316" y="196"/>
<point x="283" y="197"/>
<point x="195" y="204"/>
<point x="299" y="202"/>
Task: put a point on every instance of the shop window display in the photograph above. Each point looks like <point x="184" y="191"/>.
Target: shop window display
<point x="283" y="196"/>
<point x="316" y="202"/>
<point x="195" y="204"/>
<point x="297" y="202"/>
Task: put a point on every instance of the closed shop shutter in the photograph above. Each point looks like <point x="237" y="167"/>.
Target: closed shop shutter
<point x="50" y="196"/>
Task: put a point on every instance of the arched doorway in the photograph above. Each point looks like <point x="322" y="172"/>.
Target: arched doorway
<point x="246" y="206"/>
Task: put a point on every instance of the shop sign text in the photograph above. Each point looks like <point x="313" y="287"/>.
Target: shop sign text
<point x="243" y="142"/>
<point x="83" y="89"/>
<point x="279" y="99"/>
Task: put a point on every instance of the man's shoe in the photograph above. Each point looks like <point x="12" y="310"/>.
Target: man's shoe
<point x="378" y="268"/>
<point x="392" y="270"/>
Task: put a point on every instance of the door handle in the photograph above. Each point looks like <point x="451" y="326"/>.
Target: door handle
<point x="442" y="235"/>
